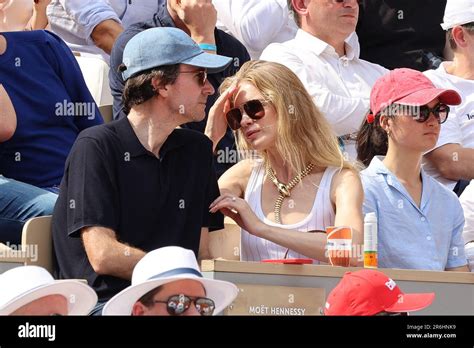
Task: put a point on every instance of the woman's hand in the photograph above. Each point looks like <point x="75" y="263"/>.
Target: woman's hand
<point x="216" y="125"/>
<point x="239" y="210"/>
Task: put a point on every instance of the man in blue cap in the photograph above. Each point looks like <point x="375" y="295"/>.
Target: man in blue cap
<point x="197" y="18"/>
<point x="140" y="183"/>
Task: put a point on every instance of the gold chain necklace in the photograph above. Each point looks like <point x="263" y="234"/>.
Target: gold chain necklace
<point x="285" y="190"/>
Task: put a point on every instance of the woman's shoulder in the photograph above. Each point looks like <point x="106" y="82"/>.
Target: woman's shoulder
<point x="239" y="174"/>
<point x="442" y="191"/>
<point x="348" y="179"/>
<point x="343" y="174"/>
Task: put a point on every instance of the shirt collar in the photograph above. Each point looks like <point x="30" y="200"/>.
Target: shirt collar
<point x="319" y="46"/>
<point x="132" y="145"/>
<point x="376" y="166"/>
<point x="352" y="47"/>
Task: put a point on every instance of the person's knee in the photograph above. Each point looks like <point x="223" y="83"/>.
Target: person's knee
<point x="21" y="201"/>
<point x="42" y="204"/>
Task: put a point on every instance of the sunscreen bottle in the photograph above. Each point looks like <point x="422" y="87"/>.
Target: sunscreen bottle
<point x="370" y="240"/>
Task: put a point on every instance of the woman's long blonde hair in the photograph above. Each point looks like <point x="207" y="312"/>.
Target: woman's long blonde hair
<point x="304" y="135"/>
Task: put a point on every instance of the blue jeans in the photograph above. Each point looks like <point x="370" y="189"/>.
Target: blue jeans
<point x="18" y="203"/>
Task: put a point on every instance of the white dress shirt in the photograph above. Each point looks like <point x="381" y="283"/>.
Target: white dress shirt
<point x="339" y="86"/>
<point x="74" y="20"/>
<point x="459" y="127"/>
<point x="256" y="23"/>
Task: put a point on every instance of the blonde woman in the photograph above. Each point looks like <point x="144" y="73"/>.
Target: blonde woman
<point x="301" y="183"/>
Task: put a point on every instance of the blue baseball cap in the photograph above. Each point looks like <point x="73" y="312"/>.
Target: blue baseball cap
<point x="167" y="46"/>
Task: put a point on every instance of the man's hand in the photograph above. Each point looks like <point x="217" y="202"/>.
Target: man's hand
<point x="200" y="18"/>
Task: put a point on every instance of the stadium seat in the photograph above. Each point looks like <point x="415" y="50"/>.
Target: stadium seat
<point x="225" y="243"/>
<point x="96" y="75"/>
<point x="37" y="246"/>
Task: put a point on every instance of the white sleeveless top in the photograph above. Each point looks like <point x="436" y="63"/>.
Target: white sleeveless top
<point x="322" y="215"/>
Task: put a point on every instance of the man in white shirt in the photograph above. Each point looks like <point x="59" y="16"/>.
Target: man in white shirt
<point x="325" y="56"/>
<point x="256" y="23"/>
<point x="452" y="160"/>
<point x="92" y="26"/>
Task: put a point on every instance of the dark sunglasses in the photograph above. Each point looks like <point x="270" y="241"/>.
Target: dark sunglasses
<point x="440" y="111"/>
<point x="253" y="108"/>
<point x="178" y="304"/>
<point x="200" y="74"/>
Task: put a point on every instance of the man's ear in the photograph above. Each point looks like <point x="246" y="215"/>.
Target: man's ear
<point x="459" y="36"/>
<point x="300" y="6"/>
<point x="160" y="89"/>
<point x="138" y="309"/>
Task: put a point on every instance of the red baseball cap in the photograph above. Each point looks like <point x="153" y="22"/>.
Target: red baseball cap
<point x="407" y="87"/>
<point x="368" y="292"/>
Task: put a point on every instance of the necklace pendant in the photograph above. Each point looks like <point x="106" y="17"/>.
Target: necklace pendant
<point x="283" y="190"/>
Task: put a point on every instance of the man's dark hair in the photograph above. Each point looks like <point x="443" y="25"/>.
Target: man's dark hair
<point x="296" y="16"/>
<point x="138" y="89"/>
<point x="452" y="42"/>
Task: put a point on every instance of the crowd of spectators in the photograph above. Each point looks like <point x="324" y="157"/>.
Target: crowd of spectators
<point x="286" y="116"/>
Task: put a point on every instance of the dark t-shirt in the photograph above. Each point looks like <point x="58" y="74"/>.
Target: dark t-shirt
<point x="402" y="33"/>
<point x="112" y="181"/>
<point x="226" y="46"/>
<point x="52" y="105"/>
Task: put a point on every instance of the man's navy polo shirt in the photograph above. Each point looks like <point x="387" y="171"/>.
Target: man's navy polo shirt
<point x="112" y="181"/>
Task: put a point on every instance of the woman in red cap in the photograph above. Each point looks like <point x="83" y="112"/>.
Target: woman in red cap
<point x="419" y="221"/>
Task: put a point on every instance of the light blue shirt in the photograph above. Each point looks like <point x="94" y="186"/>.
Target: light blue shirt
<point x="428" y="237"/>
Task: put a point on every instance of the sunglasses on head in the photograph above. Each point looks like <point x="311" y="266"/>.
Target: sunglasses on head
<point x="178" y="304"/>
<point x="440" y="111"/>
<point x="200" y="74"/>
<point x="253" y="108"/>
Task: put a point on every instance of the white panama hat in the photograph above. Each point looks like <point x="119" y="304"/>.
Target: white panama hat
<point x="166" y="265"/>
<point x="458" y="12"/>
<point x="22" y="285"/>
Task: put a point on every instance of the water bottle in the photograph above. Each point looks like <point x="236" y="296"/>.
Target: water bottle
<point x="370" y="240"/>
